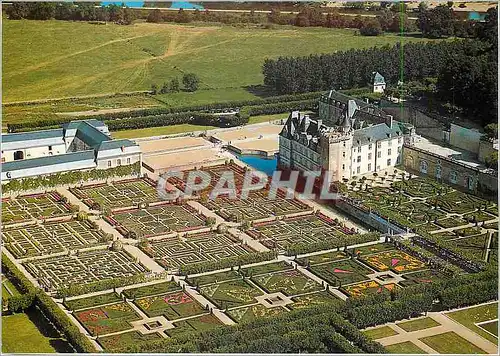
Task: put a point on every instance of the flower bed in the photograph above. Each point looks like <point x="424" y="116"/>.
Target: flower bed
<point x="469" y="231"/>
<point x="101" y="299"/>
<point x="151" y="289"/>
<point x="397" y="261"/>
<point x="341" y="272"/>
<point x="202" y="323"/>
<point x="314" y="299"/>
<point x="107" y="319"/>
<point x="422" y="277"/>
<point x="451" y="222"/>
<point x="366" y="288"/>
<point x="321" y="258"/>
<point x="254" y="312"/>
<point x="120" y="342"/>
<point x="289" y="282"/>
<point x="173" y="306"/>
<point x="479" y="216"/>
<point x="230" y="294"/>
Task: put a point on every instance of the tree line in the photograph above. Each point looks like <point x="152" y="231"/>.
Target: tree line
<point x="78" y="11"/>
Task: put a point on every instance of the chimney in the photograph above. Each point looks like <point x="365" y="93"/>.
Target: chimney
<point x="351" y="108"/>
<point x="306" y="122"/>
<point x="319" y="122"/>
<point x="388" y="121"/>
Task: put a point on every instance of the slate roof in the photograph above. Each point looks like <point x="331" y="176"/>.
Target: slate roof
<point x="47" y="161"/>
<point x="32" y="135"/>
<point x="90" y="135"/>
<point x="378" y="79"/>
<point x="376" y="133"/>
<point x="307" y="130"/>
<point x="113" y="144"/>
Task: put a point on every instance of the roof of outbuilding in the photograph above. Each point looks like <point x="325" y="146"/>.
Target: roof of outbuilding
<point x="91" y="135"/>
<point x="113" y="144"/>
<point x="378" y="79"/>
<point x="32" y="135"/>
<point x="48" y="161"/>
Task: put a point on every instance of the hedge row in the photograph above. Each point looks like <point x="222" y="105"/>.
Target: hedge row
<point x="72" y="177"/>
<point x="49" y="308"/>
<point x="330" y="244"/>
<point x="78" y="289"/>
<point x="278" y="108"/>
<point x="227" y="262"/>
<point x="152" y="112"/>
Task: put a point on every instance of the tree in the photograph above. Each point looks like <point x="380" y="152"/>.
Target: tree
<point x="64" y="11"/>
<point x="43" y="11"/>
<point x="128" y="16"/>
<point x="436" y="22"/>
<point x="18" y="10"/>
<point x="371" y="28"/>
<point x="190" y="81"/>
<point x="491" y="130"/>
<point x="174" y="85"/>
<point x="182" y="16"/>
<point x="155" y="16"/>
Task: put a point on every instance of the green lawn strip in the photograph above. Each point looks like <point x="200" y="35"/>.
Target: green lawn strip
<point x="202" y="323"/>
<point x="491" y="327"/>
<point x="231" y="293"/>
<point x="419" y="277"/>
<point x="213" y="278"/>
<point x="366" y="250"/>
<point x="344" y="271"/>
<point x="451" y="343"/>
<point x="380" y="332"/>
<point x="468" y="317"/>
<point x="118" y="342"/>
<point x="82" y="303"/>
<point x="290" y="282"/>
<point x="321" y="258"/>
<point x="152" y="289"/>
<point x="419" y="324"/>
<point x="253" y="312"/>
<point x="173" y="306"/>
<point x="10" y="289"/>
<point x="266" y="268"/>
<point x="406" y="347"/>
<point x="160" y="131"/>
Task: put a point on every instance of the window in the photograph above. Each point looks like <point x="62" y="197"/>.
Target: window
<point x="389" y="143"/>
<point x="453" y="177"/>
<point x="389" y="151"/>
<point x="118" y="162"/>
<point x="369" y="166"/>
<point x="399" y="139"/>
<point x="359" y="149"/>
<point x="128" y="160"/>
<point x="379" y="144"/>
<point x="343" y="154"/>
<point x="359" y="159"/>
<point x="358" y="169"/>
<point x="50" y="148"/>
<point x="344" y="143"/>
<point x="343" y="167"/>
<point x="378" y="168"/>
<point x="379" y="154"/>
<point x="389" y="162"/>
<point x="109" y="163"/>
<point x="370" y="146"/>
<point x="438" y="171"/>
<point x="423" y="166"/>
<point x="369" y="156"/>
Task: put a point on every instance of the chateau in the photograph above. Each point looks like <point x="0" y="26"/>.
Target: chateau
<point x="349" y="138"/>
<point x="77" y="145"/>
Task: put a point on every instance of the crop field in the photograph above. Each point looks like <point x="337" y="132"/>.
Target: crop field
<point x="49" y="238"/>
<point x="303" y="229"/>
<point x="35" y="206"/>
<point x="120" y="194"/>
<point x="157" y="220"/>
<point x="83" y="268"/>
<point x="133" y="57"/>
<point x="174" y="252"/>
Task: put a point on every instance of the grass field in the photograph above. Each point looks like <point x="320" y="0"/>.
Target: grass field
<point x="451" y="343"/>
<point x="380" y="332"/>
<point x="468" y="317"/>
<point x="160" y="131"/>
<point x="114" y="58"/>
<point x="29" y="333"/>
<point x="406" y="347"/>
<point x="419" y="324"/>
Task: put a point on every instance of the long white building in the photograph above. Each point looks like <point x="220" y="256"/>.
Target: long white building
<point x="349" y="138"/>
<point x="78" y="145"/>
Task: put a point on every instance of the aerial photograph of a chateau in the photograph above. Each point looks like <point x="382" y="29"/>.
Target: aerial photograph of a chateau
<point x="249" y="177"/>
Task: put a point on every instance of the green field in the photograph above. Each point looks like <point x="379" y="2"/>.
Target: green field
<point x="406" y="347"/>
<point x="380" y="332"/>
<point x="30" y="333"/>
<point x="114" y="58"/>
<point x="468" y="317"/>
<point x="159" y="131"/>
<point x="419" y="324"/>
<point x="451" y="343"/>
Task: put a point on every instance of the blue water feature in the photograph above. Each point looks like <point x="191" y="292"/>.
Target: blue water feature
<point x="476" y="16"/>
<point x="185" y="5"/>
<point x="127" y="3"/>
<point x="266" y="165"/>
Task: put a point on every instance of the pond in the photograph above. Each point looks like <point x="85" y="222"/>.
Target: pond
<point x="266" y="165"/>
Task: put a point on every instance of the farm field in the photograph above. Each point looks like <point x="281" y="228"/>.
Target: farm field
<point x="131" y="58"/>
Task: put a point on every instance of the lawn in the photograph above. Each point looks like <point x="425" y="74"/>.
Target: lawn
<point x="451" y="343"/>
<point x="30" y="332"/>
<point x="406" y="347"/>
<point x="213" y="278"/>
<point x="468" y="317"/>
<point x="160" y="131"/>
<point x="491" y="327"/>
<point x="265" y="268"/>
<point x="419" y="324"/>
<point x="82" y="303"/>
<point x="321" y="258"/>
<point x="380" y="332"/>
<point x="132" y="58"/>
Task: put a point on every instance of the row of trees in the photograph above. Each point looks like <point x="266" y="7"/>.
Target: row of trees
<point x="82" y="11"/>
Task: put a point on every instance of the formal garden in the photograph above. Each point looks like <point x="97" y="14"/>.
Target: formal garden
<point x="174" y="305"/>
<point x="35" y="206"/>
<point x="118" y="194"/>
<point x="107" y="319"/>
<point x="157" y="220"/>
